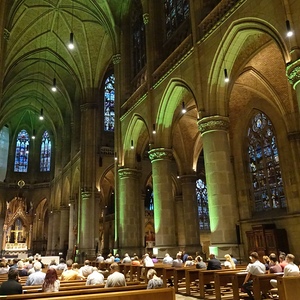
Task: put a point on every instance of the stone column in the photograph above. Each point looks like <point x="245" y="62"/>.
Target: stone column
<point x="86" y="229"/>
<point x="190" y="213"/>
<point x="2" y="233"/>
<point x="50" y="230"/>
<point x="55" y="231"/>
<point x="64" y="227"/>
<point x="129" y="226"/>
<point x="222" y="202"/>
<point x="164" y="214"/>
<point x="180" y="224"/>
<point x="71" y="241"/>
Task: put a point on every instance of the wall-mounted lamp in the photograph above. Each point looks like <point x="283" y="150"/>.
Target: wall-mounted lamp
<point x="33" y="134"/>
<point x="226" y="78"/>
<point x="289" y="31"/>
<point x="41" y="114"/>
<point x="71" y="43"/>
<point x="153" y="129"/>
<point x="183" y="108"/>
<point x="54" y="88"/>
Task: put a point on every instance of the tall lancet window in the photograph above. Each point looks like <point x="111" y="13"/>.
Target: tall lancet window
<point x="202" y="200"/>
<point x="176" y="11"/>
<point x="138" y="38"/>
<point x="45" y="160"/>
<point x="109" y="103"/>
<point x="22" y="152"/>
<point x="267" y="186"/>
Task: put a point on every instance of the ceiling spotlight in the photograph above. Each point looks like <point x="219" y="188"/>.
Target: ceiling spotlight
<point x="153" y="129"/>
<point x="226" y="78"/>
<point x="131" y="145"/>
<point x="41" y="117"/>
<point x="289" y="31"/>
<point x="33" y="134"/>
<point x="53" y="88"/>
<point x="71" y="43"/>
<point x="183" y="110"/>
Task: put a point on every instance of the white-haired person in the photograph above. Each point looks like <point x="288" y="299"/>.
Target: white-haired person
<point x="37" y="277"/>
<point x="95" y="277"/>
<point x="154" y="281"/>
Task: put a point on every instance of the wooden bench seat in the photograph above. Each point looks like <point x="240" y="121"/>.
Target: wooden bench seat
<point x="87" y="291"/>
<point x="288" y="287"/>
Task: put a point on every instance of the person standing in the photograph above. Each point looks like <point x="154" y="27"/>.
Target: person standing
<point x="11" y="286"/>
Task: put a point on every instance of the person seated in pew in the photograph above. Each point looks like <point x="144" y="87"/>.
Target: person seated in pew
<point x="282" y="260"/>
<point x="154" y="281"/>
<point x="189" y="262"/>
<point x="229" y="263"/>
<point x="266" y="261"/>
<point x="37" y="277"/>
<point x="70" y="274"/>
<point x="289" y="270"/>
<point x="274" y="266"/>
<point x="126" y="259"/>
<point x="147" y="261"/>
<point x="117" y="258"/>
<point x="115" y="278"/>
<point x="86" y="270"/>
<point x="51" y="282"/>
<point x="135" y="261"/>
<point x="22" y="271"/>
<point x="200" y="264"/>
<point x="254" y="268"/>
<point x="168" y="260"/>
<point x="154" y="259"/>
<point x="62" y="266"/>
<point x="53" y="264"/>
<point x="178" y="263"/>
<point x="100" y="258"/>
<point x="95" y="278"/>
<point x="12" y="285"/>
<point x="213" y="263"/>
<point x="3" y="268"/>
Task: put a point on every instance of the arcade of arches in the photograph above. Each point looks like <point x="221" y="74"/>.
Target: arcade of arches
<point x="169" y="125"/>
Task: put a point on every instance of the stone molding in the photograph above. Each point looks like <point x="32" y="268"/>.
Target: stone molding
<point x="213" y="123"/>
<point x="116" y="59"/>
<point x="6" y="34"/>
<point x="146" y="18"/>
<point x="128" y="173"/>
<point x="191" y="178"/>
<point x="160" y="154"/>
<point x="293" y="73"/>
<point x="88" y="105"/>
<point x="294" y="136"/>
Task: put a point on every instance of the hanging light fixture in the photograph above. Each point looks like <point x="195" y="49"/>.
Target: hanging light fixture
<point x="27" y="149"/>
<point x="226" y="78"/>
<point x="41" y="114"/>
<point x="289" y="31"/>
<point x="183" y="108"/>
<point x="131" y="145"/>
<point x="153" y="129"/>
<point x="33" y="134"/>
<point x="71" y="43"/>
<point x="116" y="157"/>
<point x="54" y="88"/>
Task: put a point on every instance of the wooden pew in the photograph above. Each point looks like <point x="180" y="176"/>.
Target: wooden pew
<point x="190" y="276"/>
<point x="157" y="294"/>
<point x="288" y="287"/>
<point x="179" y="274"/>
<point x="261" y="284"/>
<point x="165" y="272"/>
<point x="237" y="282"/>
<point x="87" y="291"/>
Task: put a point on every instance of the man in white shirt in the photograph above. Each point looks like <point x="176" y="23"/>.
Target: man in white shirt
<point x="254" y="268"/>
<point x="116" y="278"/>
<point x="95" y="278"/>
<point x="289" y="270"/>
<point x="168" y="260"/>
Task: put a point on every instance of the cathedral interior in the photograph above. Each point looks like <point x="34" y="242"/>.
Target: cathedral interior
<point x="149" y="126"/>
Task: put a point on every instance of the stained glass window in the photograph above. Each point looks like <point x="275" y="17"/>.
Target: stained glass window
<point x="109" y="103"/>
<point x="138" y="38"/>
<point x="202" y="200"/>
<point x="22" y="152"/>
<point x="267" y="186"/>
<point x="176" y="11"/>
<point x="45" y="153"/>
<point x="149" y="204"/>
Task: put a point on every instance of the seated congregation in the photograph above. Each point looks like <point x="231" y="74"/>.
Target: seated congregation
<point x="183" y="273"/>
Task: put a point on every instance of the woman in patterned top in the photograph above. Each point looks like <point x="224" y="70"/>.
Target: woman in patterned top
<point x="154" y="281"/>
<point x="51" y="282"/>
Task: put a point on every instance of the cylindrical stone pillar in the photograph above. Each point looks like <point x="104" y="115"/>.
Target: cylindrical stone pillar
<point x="64" y="227"/>
<point x="190" y="211"/>
<point x="71" y="240"/>
<point x="55" y="231"/>
<point x="50" y="230"/>
<point x="164" y="221"/>
<point x="129" y="227"/>
<point x="223" y="212"/>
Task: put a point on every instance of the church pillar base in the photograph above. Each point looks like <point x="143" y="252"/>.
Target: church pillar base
<point x="221" y="249"/>
<point x="160" y="251"/>
<point x="86" y="253"/>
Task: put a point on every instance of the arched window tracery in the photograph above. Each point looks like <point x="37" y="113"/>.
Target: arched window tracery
<point x="45" y="160"/>
<point x="22" y="152"/>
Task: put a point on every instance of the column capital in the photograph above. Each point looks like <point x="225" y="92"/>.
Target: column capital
<point x="191" y="178"/>
<point x="128" y="173"/>
<point x="146" y="18"/>
<point x="116" y="59"/>
<point x="160" y="154"/>
<point x="293" y="73"/>
<point x="213" y="123"/>
<point x="88" y="105"/>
